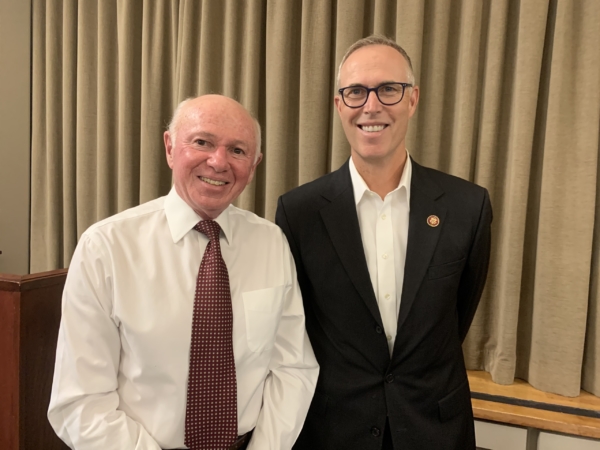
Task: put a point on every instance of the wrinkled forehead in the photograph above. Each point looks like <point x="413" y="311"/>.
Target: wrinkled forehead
<point x="225" y="119"/>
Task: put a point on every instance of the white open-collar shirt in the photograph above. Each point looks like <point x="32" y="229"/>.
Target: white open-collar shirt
<point x="384" y="232"/>
<point x="122" y="359"/>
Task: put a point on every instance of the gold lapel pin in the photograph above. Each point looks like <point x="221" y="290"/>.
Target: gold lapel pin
<point x="433" y="221"/>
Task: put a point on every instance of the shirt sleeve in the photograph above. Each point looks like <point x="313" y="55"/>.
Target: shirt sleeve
<point x="84" y="402"/>
<point x="291" y="383"/>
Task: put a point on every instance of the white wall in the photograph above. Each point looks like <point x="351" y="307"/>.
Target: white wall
<point x="491" y="436"/>
<point x="494" y="436"/>
<point x="550" y="441"/>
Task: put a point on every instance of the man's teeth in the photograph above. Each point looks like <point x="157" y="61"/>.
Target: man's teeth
<point x="213" y="182"/>
<point x="372" y="128"/>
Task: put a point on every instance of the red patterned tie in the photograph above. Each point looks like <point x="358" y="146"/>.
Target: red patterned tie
<point x="211" y="412"/>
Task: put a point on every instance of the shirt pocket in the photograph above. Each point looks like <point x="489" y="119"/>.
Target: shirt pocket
<point x="263" y="312"/>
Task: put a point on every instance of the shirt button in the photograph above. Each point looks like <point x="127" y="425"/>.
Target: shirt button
<point x="378" y="329"/>
<point x="375" y="431"/>
<point x="389" y="378"/>
<point x="383" y="217"/>
<point x="387" y="296"/>
<point x="384" y="256"/>
<point x="389" y="337"/>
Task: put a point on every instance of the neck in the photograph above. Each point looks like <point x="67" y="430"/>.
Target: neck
<point x="381" y="176"/>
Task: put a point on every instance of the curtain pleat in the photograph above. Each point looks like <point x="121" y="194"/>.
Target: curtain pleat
<point x="315" y="102"/>
<point x="511" y="80"/>
<point x="250" y="63"/>
<point x="567" y="199"/>
<point x="284" y="24"/>
<point x="158" y="94"/>
<point x="69" y="128"/>
<point x="510" y="99"/>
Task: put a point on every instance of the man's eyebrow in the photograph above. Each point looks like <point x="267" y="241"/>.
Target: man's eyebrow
<point x="209" y="135"/>
<point x="205" y="134"/>
<point x="239" y="143"/>
<point x="380" y="84"/>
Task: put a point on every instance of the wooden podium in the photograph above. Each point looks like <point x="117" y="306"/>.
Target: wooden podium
<point x="29" y="321"/>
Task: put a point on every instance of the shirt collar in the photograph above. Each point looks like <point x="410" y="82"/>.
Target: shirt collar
<point x="360" y="187"/>
<point x="182" y="218"/>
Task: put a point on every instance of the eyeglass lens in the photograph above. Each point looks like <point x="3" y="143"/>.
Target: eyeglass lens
<point x="388" y="94"/>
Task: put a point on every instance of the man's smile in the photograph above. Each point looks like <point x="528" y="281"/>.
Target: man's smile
<point x="372" y="128"/>
<point x="213" y="182"/>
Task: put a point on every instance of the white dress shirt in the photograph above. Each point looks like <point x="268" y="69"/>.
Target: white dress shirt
<point x="384" y="232"/>
<point x="123" y="348"/>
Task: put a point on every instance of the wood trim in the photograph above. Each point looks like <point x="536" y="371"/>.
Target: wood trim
<point x="537" y="414"/>
<point x="9" y="373"/>
<point x="11" y="283"/>
<point x="44" y="279"/>
<point x="22" y="283"/>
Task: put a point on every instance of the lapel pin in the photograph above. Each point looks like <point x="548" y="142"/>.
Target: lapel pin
<point x="433" y="221"/>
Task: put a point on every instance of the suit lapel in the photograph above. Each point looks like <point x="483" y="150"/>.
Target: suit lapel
<point x="341" y="222"/>
<point x="422" y="237"/>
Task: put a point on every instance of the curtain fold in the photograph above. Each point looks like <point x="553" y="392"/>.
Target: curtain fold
<point x="510" y="99"/>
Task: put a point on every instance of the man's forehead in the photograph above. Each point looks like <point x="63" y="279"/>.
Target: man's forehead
<point x="374" y="58"/>
<point x="217" y="113"/>
<point x="222" y="125"/>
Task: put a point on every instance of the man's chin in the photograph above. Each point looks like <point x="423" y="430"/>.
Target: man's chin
<point x="209" y="207"/>
<point x="372" y="154"/>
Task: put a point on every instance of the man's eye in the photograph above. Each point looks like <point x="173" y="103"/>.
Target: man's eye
<point x="357" y="92"/>
<point x="201" y="142"/>
<point x="239" y="151"/>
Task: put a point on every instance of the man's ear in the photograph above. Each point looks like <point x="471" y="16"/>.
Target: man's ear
<point x="251" y="177"/>
<point x="337" y="101"/>
<point x="168" y="148"/>
<point x="414" y="100"/>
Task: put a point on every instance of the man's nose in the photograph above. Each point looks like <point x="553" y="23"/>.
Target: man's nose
<point x="218" y="159"/>
<point x="373" y="104"/>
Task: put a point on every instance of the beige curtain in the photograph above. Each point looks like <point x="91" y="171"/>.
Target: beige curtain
<point x="510" y="99"/>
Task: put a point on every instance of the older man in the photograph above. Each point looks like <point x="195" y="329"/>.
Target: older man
<point x="182" y="322"/>
<point x="392" y="259"/>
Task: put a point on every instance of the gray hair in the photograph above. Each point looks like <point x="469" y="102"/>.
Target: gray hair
<point x="174" y="124"/>
<point x="375" y="39"/>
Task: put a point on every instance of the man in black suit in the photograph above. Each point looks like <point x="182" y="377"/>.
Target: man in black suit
<point x="392" y="258"/>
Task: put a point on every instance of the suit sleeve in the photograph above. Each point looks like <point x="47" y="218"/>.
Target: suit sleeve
<point x="282" y="221"/>
<point x="84" y="405"/>
<point x="476" y="268"/>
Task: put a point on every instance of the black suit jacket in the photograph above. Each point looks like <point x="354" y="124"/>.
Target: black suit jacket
<point x="422" y="388"/>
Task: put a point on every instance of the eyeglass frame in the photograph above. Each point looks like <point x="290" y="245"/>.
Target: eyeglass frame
<point x="374" y="89"/>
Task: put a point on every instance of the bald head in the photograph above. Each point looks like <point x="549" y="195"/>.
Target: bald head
<point x="210" y="100"/>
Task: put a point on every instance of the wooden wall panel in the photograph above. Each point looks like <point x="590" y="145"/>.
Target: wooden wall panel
<point x="29" y="321"/>
<point x="9" y="374"/>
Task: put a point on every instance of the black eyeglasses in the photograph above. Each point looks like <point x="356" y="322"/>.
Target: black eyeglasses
<point x="387" y="93"/>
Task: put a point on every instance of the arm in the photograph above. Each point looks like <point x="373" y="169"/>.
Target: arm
<point x="282" y="222"/>
<point x="290" y="386"/>
<point x="84" y="403"/>
<point x="475" y="271"/>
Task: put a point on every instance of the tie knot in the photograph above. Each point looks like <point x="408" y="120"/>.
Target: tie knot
<point x="210" y="228"/>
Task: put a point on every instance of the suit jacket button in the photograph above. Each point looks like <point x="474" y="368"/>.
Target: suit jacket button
<point x="375" y="431"/>
<point x="378" y="329"/>
<point x="389" y="378"/>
